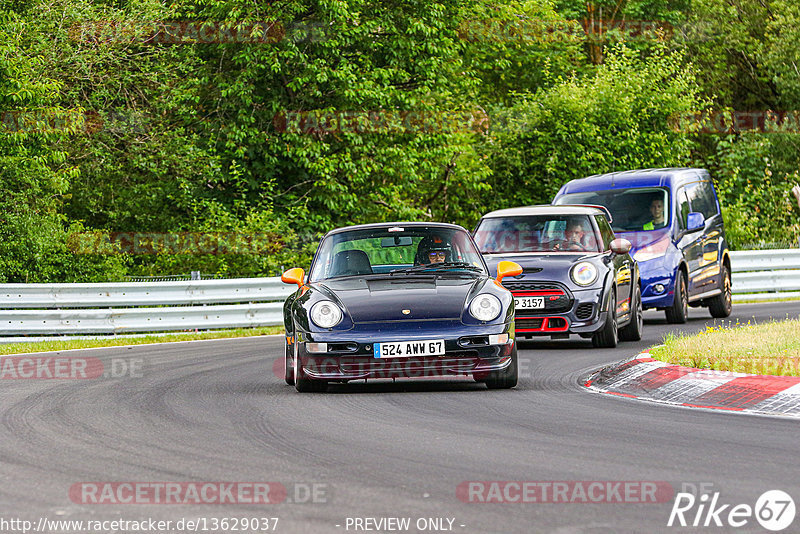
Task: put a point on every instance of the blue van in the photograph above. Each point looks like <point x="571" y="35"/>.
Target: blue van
<point x="673" y="220"/>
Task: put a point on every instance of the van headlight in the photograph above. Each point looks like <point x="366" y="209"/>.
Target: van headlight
<point x="485" y="307"/>
<point x="326" y="314"/>
<point x="583" y="273"/>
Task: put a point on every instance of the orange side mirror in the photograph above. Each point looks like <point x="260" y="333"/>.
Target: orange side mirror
<point x="507" y="268"/>
<point x="293" y="276"/>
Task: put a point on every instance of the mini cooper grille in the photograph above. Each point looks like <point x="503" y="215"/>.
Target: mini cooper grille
<point x="584" y="310"/>
<point x="530" y="286"/>
<point x="529" y="324"/>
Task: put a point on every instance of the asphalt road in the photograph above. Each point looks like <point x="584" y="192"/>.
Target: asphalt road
<point x="215" y="411"/>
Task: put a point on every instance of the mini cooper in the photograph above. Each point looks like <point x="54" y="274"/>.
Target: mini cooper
<point x="577" y="277"/>
<point x="399" y="300"/>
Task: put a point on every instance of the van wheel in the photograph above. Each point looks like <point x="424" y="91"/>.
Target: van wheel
<point x="721" y="305"/>
<point x="679" y="311"/>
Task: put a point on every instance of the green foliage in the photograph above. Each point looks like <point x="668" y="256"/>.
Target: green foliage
<point x="518" y="46"/>
<point x="614" y="120"/>
<point x="189" y="138"/>
<point x="758" y="206"/>
<point x="34" y="175"/>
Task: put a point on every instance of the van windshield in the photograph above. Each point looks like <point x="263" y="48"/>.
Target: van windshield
<point x="632" y="210"/>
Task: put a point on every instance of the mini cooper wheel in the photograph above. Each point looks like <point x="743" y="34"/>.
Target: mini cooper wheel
<point x="301" y="383"/>
<point x="505" y="378"/>
<point x="633" y="330"/>
<point x="721" y="305"/>
<point x="679" y="311"/>
<point x="608" y="336"/>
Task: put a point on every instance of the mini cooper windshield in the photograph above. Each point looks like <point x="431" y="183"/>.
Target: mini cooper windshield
<point x="396" y="250"/>
<point x="537" y="233"/>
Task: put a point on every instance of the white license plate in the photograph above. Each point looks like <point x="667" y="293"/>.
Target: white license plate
<point x="529" y="303"/>
<point x="409" y="349"/>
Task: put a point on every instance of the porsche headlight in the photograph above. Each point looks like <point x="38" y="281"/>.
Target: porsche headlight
<point x="485" y="307"/>
<point x="326" y="314"/>
<point x="584" y="273"/>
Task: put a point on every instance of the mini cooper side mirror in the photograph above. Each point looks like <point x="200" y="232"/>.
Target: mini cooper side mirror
<point x="507" y="268"/>
<point x="293" y="276"/>
<point x="620" y="246"/>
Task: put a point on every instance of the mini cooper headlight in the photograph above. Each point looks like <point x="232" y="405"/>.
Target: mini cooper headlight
<point x="583" y="273"/>
<point x="485" y="307"/>
<point x="326" y="314"/>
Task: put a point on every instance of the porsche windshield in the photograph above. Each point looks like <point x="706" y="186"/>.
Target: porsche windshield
<point x="386" y="250"/>
<point x="634" y="209"/>
<point x="537" y="233"/>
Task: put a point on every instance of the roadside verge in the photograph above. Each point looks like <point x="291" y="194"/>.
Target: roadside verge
<point x="644" y="378"/>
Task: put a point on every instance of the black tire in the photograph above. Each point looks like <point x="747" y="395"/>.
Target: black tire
<point x="288" y="372"/>
<point x="679" y="311"/>
<point x="721" y="305"/>
<point x="301" y="383"/>
<point x="633" y="330"/>
<point x="608" y="336"/>
<point x="505" y="378"/>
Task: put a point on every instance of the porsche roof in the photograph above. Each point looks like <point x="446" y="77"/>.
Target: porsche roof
<point x="396" y="224"/>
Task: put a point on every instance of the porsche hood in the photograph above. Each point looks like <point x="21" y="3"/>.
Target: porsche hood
<point x="402" y="297"/>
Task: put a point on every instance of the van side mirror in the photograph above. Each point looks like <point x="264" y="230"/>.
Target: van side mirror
<point x="694" y="221"/>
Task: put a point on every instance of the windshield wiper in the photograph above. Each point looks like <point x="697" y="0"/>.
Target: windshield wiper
<point x="438" y="267"/>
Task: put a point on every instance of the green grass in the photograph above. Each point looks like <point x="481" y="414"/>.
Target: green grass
<point x="66" y="344"/>
<point x="771" y="348"/>
<point x="757" y="301"/>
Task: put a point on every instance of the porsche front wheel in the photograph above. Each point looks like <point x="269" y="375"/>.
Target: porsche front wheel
<point x="288" y="371"/>
<point x="301" y="383"/>
<point x="505" y="378"/>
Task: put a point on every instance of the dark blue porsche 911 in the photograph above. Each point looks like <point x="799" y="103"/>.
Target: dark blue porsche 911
<point x="399" y="300"/>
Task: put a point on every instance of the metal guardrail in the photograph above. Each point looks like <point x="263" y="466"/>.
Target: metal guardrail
<point x="765" y="274"/>
<point x="127" y="294"/>
<point x="127" y="307"/>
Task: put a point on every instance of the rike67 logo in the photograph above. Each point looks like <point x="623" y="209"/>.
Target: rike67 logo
<point x="774" y="510"/>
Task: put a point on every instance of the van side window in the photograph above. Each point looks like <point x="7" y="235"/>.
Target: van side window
<point x="683" y="208"/>
<point x="701" y="198"/>
<point x="709" y="199"/>
<point x="605" y="231"/>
